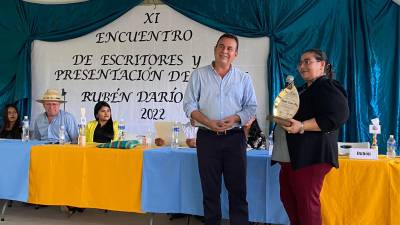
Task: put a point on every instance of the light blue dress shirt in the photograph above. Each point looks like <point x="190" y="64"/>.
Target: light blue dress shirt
<point x="45" y="131"/>
<point x="218" y="98"/>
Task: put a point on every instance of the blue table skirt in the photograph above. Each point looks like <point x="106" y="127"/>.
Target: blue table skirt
<point x="171" y="184"/>
<point x="14" y="169"/>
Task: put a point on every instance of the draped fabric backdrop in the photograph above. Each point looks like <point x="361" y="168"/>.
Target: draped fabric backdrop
<point x="361" y="38"/>
<point x="22" y="22"/>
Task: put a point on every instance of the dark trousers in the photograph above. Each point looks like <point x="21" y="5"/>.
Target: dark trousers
<point x="300" y="192"/>
<point x="223" y="155"/>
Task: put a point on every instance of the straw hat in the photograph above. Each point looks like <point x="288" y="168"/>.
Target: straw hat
<point x="51" y="95"/>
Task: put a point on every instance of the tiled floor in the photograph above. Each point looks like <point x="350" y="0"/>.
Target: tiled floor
<point x="23" y="214"/>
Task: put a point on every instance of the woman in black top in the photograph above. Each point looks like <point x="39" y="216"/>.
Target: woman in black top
<point x="103" y="129"/>
<point x="11" y="128"/>
<point x="312" y="139"/>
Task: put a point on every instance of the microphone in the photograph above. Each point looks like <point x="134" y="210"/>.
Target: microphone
<point x="289" y="80"/>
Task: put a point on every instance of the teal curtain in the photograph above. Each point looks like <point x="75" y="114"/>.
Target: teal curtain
<point x="361" y="38"/>
<point x="22" y="22"/>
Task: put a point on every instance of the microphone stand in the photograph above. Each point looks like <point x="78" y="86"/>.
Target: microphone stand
<point x="63" y="93"/>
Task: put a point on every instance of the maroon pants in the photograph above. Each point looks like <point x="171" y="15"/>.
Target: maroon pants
<point x="300" y="191"/>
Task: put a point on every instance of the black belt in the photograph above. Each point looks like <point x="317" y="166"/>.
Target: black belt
<point x="226" y="132"/>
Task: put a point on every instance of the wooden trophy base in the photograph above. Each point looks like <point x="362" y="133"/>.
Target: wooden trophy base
<point x="279" y="121"/>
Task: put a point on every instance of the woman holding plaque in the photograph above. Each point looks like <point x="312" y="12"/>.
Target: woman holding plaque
<point x="11" y="128"/>
<point x="103" y="129"/>
<point x="312" y="139"/>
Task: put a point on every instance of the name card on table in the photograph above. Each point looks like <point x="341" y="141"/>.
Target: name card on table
<point x="363" y="153"/>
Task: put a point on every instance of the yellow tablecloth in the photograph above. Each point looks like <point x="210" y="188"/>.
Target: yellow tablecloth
<point x="362" y="192"/>
<point x="87" y="177"/>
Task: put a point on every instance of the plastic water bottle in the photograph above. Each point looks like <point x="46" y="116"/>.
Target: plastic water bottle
<point x="61" y="135"/>
<point x="271" y="143"/>
<point x="175" y="135"/>
<point x="149" y="138"/>
<point x="25" y="129"/>
<point x="391" y="147"/>
<point x="82" y="129"/>
<point x="82" y="134"/>
<point x="121" y="130"/>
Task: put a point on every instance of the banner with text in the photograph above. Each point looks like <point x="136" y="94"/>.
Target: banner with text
<point x="140" y="64"/>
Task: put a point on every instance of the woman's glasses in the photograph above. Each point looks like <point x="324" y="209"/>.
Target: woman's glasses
<point x="307" y="62"/>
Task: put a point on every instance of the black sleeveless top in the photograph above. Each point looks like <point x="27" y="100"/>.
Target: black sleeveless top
<point x="102" y="134"/>
<point x="14" y="133"/>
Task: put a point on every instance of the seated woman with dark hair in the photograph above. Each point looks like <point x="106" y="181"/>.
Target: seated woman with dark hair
<point x="103" y="129"/>
<point x="12" y="128"/>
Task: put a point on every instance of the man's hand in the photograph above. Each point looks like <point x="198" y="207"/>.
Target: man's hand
<point x="230" y="121"/>
<point x="247" y="126"/>
<point x="191" y="142"/>
<point x="159" y="142"/>
<point x="217" y="125"/>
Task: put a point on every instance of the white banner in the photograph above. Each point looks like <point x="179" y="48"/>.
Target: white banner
<point x="140" y="65"/>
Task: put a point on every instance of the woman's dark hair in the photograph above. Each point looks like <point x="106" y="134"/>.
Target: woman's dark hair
<point x="5" y="115"/>
<point x="109" y="125"/>
<point x="321" y="56"/>
<point x="98" y="106"/>
<point x="15" y="131"/>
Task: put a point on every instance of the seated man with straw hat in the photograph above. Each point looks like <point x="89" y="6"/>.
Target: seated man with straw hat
<point x="47" y="125"/>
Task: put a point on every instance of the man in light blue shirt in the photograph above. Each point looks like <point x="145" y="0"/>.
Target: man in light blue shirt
<point x="221" y="99"/>
<point x="47" y="125"/>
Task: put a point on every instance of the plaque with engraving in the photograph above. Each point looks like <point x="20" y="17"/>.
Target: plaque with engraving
<point x="286" y="104"/>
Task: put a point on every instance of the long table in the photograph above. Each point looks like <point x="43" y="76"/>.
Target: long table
<point x="364" y="192"/>
<point x="361" y="192"/>
<point x="171" y="184"/>
<point x="87" y="177"/>
<point x="14" y="168"/>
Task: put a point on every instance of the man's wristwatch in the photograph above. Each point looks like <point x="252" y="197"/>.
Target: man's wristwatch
<point x="301" y="128"/>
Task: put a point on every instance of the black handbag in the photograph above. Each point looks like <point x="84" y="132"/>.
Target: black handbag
<point x="256" y="138"/>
